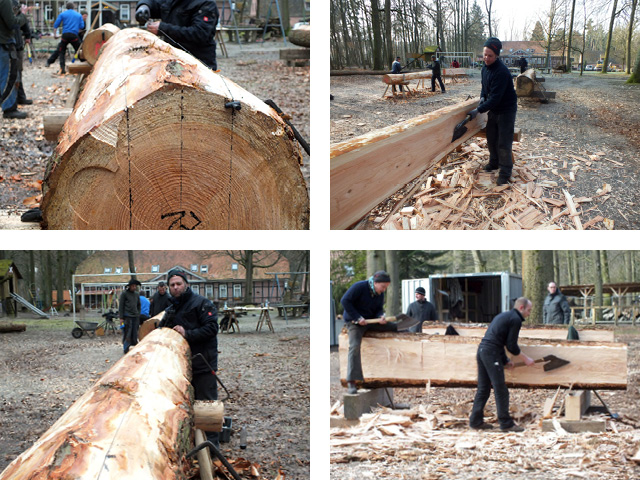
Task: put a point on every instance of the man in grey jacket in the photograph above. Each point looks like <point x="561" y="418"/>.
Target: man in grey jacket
<point x="422" y="309"/>
<point x="130" y="314"/>
<point x="556" y="308"/>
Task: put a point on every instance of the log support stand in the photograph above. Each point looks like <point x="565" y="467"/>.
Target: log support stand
<point x="362" y="402"/>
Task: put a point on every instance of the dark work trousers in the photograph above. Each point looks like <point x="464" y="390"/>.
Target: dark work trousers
<point x="21" y="95"/>
<point x="499" y="140"/>
<point x="205" y="387"/>
<point x="490" y="374"/>
<point x="393" y="88"/>
<point x="66" y="39"/>
<point x="356" y="332"/>
<point x="433" y="83"/>
<point x="130" y="333"/>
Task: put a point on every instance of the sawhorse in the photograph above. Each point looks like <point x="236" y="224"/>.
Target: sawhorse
<point x="264" y="315"/>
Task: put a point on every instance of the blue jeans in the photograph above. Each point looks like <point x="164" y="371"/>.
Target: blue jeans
<point x="500" y="128"/>
<point x="490" y="374"/>
<point x="5" y="64"/>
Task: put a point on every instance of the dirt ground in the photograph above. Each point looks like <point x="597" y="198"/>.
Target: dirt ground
<point x="24" y="151"/>
<point x="591" y="114"/>
<point x="449" y="449"/>
<point x="44" y="370"/>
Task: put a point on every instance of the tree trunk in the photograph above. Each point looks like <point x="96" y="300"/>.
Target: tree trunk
<point x="60" y="278"/>
<point x="573" y="10"/>
<point x="375" y="261"/>
<point x="248" y="267"/>
<point x="125" y="425"/>
<point x="479" y="264"/>
<point x="609" y="37"/>
<point x="377" y="36"/>
<point x="536" y="267"/>
<point x="570" y="268"/>
<point x="301" y="36"/>
<point x="151" y="145"/>
<point x="628" y="257"/>
<point x="513" y="262"/>
<point x="576" y="267"/>
<point x="389" y="39"/>
<point x="606" y="279"/>
<point x="413" y="360"/>
<point x="48" y="279"/>
<point x="556" y="268"/>
<point x="393" y="303"/>
<point x="597" y="281"/>
<point x="635" y="75"/>
<point x="132" y="264"/>
<point x="526" y="83"/>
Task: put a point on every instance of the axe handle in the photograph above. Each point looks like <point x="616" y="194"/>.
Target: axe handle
<point x="522" y="364"/>
<point x="377" y="320"/>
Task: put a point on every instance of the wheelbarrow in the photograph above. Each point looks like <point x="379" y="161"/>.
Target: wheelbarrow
<point x="84" y="327"/>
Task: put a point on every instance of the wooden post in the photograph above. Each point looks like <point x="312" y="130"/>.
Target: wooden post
<point x="125" y="424"/>
<point x="576" y="404"/>
<point x="154" y="143"/>
<point x="204" y="458"/>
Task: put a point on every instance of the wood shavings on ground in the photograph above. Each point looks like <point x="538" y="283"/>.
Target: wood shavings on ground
<point x="462" y="196"/>
<point x="432" y="442"/>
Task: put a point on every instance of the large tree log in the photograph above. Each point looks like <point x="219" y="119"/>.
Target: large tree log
<point x="152" y="145"/>
<point x="12" y="327"/>
<point x="397" y="78"/>
<point x="342" y="73"/>
<point x="134" y="423"/>
<point x="549" y="332"/>
<point x="413" y="360"/>
<point x="367" y="169"/>
<point x="301" y="36"/>
<point x="95" y="39"/>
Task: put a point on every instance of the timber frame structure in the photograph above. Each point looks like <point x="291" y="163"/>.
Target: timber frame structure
<point x="367" y="169"/>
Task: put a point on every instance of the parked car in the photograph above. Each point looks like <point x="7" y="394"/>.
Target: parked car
<point x="589" y="68"/>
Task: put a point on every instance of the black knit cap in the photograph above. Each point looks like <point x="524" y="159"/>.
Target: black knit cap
<point x="133" y="281"/>
<point x="381" y="277"/>
<point x="421" y="291"/>
<point x="494" y="44"/>
<point x="179" y="273"/>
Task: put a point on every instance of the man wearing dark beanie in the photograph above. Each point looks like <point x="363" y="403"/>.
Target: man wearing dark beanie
<point x="498" y="97"/>
<point x="364" y="300"/>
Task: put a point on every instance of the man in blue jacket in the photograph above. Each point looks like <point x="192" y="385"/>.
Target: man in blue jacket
<point x="189" y="25"/>
<point x="498" y="97"/>
<point x="364" y="300"/>
<point x="503" y="332"/>
<point x="8" y="61"/>
<point x="72" y="23"/>
<point x="196" y="319"/>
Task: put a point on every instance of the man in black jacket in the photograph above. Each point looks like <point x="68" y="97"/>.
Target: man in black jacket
<point x="160" y="300"/>
<point x="436" y="74"/>
<point x="556" y="309"/>
<point x="186" y="24"/>
<point x="422" y="310"/>
<point x="130" y="314"/>
<point x="196" y="319"/>
<point x="498" y="97"/>
<point x="503" y="332"/>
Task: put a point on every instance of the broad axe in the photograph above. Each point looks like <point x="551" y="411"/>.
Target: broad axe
<point x="403" y="322"/>
<point x="551" y="362"/>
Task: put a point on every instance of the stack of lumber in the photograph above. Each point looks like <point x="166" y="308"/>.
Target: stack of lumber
<point x="462" y="196"/>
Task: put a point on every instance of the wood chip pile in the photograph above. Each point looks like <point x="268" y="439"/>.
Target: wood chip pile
<point x="430" y="442"/>
<point x="461" y="196"/>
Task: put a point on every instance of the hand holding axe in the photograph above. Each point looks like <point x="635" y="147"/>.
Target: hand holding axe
<point x="551" y="362"/>
<point x="403" y="322"/>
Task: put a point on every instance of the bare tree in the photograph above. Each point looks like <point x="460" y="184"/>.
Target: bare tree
<point x="634" y="4"/>
<point x="132" y="264"/>
<point x="573" y="10"/>
<point x="251" y="260"/>
<point x="536" y="265"/>
<point x="597" y="280"/>
<point x="614" y="14"/>
<point x="479" y="263"/>
<point x="513" y="261"/>
<point x="393" y="292"/>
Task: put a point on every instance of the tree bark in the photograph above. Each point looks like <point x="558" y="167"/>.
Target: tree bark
<point x="556" y="268"/>
<point x="536" y="267"/>
<point x="513" y="262"/>
<point x="132" y="264"/>
<point x="135" y="422"/>
<point x="597" y="281"/>
<point x="393" y="292"/>
<point x="151" y="144"/>
<point x="479" y="264"/>
<point x="526" y="83"/>
<point x="609" y="37"/>
<point x="377" y="36"/>
<point x="604" y="262"/>
<point x="576" y="267"/>
<point x="301" y="36"/>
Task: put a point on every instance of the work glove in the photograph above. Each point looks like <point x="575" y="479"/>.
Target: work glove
<point x="143" y="14"/>
<point x="473" y="113"/>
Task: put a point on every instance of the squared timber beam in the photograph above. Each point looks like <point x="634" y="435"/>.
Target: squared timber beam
<point x="415" y="359"/>
<point x="555" y="332"/>
<point x="367" y="169"/>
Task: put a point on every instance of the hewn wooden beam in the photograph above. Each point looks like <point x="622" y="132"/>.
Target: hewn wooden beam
<point x="413" y="360"/>
<point x="135" y="422"/>
<point x="555" y="332"/>
<point x="367" y="169"/>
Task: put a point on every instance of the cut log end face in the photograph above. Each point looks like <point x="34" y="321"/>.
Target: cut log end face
<point x="154" y="147"/>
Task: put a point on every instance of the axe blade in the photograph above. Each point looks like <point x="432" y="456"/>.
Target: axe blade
<point x="405" y="322"/>
<point x="460" y="129"/>
<point x="553" y="362"/>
